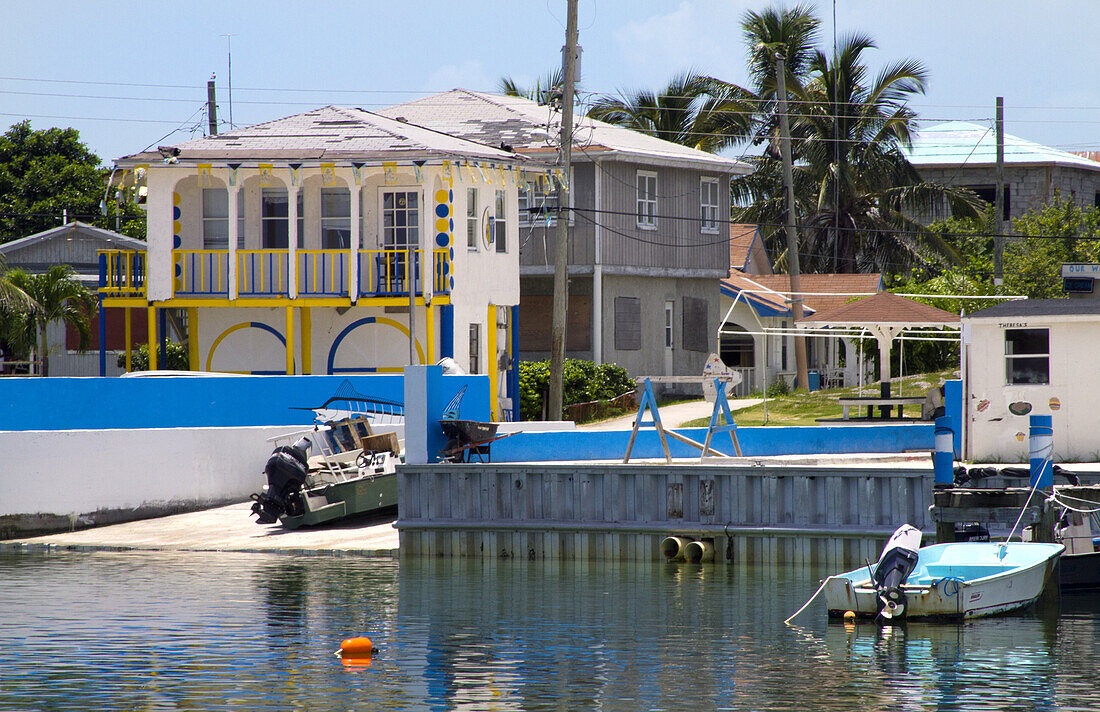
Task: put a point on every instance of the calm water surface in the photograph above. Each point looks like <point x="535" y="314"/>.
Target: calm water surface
<point x="156" y="631"/>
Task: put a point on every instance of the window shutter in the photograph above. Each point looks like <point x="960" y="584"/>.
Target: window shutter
<point x="628" y="323"/>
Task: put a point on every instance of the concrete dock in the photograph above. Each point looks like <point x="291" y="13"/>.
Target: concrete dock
<point x="229" y="528"/>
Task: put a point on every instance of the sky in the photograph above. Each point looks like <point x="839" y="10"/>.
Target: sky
<point x="132" y="74"/>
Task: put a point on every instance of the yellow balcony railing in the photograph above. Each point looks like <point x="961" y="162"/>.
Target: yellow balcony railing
<point x="122" y="273"/>
<point x="388" y="272"/>
<point x="323" y="273"/>
<point x="200" y="273"/>
<point x="262" y="273"/>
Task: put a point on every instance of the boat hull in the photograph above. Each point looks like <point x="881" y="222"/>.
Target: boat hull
<point x="966" y="581"/>
<point x="354" y="497"/>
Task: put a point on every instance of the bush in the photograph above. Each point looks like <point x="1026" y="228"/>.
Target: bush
<point x="582" y="381"/>
<point x="778" y="387"/>
<point x="176" y="358"/>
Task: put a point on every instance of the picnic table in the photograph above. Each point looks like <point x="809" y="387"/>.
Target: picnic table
<point x="885" y="405"/>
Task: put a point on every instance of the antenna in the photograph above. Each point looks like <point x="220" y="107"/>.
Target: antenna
<point x="229" y="51"/>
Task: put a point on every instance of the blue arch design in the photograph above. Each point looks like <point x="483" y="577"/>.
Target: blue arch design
<point x="355" y="325"/>
<point x="245" y="325"/>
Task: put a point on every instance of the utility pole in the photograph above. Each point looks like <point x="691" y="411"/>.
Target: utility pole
<point x="792" y="229"/>
<point x="998" y="218"/>
<point x="561" y="261"/>
<point x="212" y="107"/>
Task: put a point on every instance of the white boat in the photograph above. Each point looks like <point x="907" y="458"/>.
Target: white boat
<point x="963" y="580"/>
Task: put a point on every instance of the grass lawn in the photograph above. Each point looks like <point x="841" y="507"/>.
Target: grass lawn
<point x="802" y="408"/>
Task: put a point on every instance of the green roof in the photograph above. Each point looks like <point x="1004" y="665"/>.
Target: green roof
<point x="963" y="143"/>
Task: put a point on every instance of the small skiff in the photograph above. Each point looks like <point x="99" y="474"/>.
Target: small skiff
<point x="963" y="580"/>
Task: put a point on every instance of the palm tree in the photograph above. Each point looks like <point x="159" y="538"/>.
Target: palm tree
<point x="545" y="91"/>
<point x="57" y="295"/>
<point x="856" y="192"/>
<point x="692" y="110"/>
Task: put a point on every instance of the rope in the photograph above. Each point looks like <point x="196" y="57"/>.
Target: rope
<point x="1022" y="510"/>
<point x="1056" y="498"/>
<point x="958" y="582"/>
<point x="807" y="603"/>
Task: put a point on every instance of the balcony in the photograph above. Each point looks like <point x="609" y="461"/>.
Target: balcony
<point x="265" y="273"/>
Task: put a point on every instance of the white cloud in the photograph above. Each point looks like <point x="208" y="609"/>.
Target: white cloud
<point x="467" y="75"/>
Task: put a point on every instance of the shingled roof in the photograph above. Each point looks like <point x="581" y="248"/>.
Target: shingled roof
<point x="883" y="308"/>
<point x="330" y="133"/>
<point x="529" y="128"/>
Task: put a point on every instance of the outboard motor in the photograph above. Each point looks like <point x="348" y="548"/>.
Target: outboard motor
<point x="898" y="560"/>
<point x="286" y="471"/>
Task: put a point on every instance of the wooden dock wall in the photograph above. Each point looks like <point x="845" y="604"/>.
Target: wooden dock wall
<point x="831" y="515"/>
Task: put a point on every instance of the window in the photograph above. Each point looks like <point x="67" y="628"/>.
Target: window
<point x="668" y="325"/>
<point x="475" y="348"/>
<point x="538" y="207"/>
<point x="273" y="214"/>
<point x="215" y="219"/>
<point x="400" y="219"/>
<point x="1027" y="356"/>
<point x="696" y="335"/>
<point x="471" y="218"/>
<point x="988" y="193"/>
<point x="708" y="205"/>
<point x="784" y="356"/>
<point x="301" y="220"/>
<point x="335" y="218"/>
<point x="500" y="223"/>
<point x="647" y="199"/>
<point x="736" y="348"/>
<point x="628" y="323"/>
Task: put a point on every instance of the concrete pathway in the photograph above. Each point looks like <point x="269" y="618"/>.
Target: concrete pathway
<point x="672" y="416"/>
<point x="228" y="528"/>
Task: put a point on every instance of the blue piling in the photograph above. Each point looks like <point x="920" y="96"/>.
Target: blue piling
<point x="943" y="457"/>
<point x="1041" y="446"/>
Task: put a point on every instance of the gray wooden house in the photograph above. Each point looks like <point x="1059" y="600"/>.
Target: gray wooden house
<point x="649" y="233"/>
<point x="76" y="244"/>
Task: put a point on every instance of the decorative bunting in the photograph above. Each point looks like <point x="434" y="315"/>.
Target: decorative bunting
<point x="447" y="174"/>
<point x="391" y="172"/>
<point x="205" y="179"/>
<point x="233" y="168"/>
<point x="357" y="172"/>
<point x="294" y="168"/>
<point x="266" y="177"/>
<point x="328" y="173"/>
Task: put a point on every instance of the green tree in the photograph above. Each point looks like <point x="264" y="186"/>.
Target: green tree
<point x="58" y="296"/>
<point x="546" y="90"/>
<point x="1058" y="232"/>
<point x="692" y="110"/>
<point x="855" y="190"/>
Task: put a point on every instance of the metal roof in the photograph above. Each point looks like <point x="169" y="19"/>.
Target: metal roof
<point x="1039" y="307"/>
<point x="883" y="308"/>
<point x="958" y="143"/>
<point x="532" y="129"/>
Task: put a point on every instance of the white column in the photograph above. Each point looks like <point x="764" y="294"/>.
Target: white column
<point x="597" y="271"/>
<point x="292" y="241"/>
<point x="233" y="237"/>
<point x="356" y="241"/>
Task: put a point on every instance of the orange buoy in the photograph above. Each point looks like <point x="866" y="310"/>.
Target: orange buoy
<point x="356" y="648"/>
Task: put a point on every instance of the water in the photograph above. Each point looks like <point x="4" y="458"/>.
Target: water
<point x="159" y="631"/>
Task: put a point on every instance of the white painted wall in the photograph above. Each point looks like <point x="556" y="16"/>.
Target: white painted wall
<point x="78" y="471"/>
<point x="994" y="433"/>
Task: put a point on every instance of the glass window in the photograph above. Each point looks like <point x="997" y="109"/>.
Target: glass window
<point x="647" y="199"/>
<point x="708" y="205"/>
<point x="471" y="218"/>
<point x="737" y="348"/>
<point x="538" y="206"/>
<point x="500" y="223"/>
<point x="668" y="325"/>
<point x="1027" y="356"/>
<point x="400" y="219"/>
<point x="335" y="218"/>
<point x="475" y="348"/>
<point x="215" y="219"/>
<point x="273" y="214"/>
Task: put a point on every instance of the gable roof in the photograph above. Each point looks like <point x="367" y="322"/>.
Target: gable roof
<point x="822" y="292"/>
<point x="963" y="143"/>
<point x="747" y="252"/>
<point x="76" y="244"/>
<point x="532" y="129"/>
<point x="110" y="239"/>
<point x="764" y="300"/>
<point x="883" y="308"/>
<point x="329" y="133"/>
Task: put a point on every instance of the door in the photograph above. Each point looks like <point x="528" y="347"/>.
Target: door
<point x="669" y="337"/>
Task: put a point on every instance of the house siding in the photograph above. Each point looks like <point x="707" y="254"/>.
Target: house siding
<point x="1030" y="187"/>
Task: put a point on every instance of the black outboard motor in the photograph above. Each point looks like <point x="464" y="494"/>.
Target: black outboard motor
<point x="898" y="560"/>
<point x="286" y="471"/>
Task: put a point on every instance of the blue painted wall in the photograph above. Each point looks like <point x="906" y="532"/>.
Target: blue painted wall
<point x="171" y="402"/>
<point x="611" y="444"/>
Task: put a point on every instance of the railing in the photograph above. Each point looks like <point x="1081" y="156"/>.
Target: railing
<point x="387" y="272"/>
<point x="323" y="273"/>
<point x="122" y="273"/>
<point x="201" y="273"/>
<point x="262" y="273"/>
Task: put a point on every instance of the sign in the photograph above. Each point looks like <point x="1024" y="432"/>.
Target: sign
<point x="1081" y="269"/>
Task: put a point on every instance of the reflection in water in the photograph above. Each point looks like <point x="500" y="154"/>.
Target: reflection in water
<point x="194" y="631"/>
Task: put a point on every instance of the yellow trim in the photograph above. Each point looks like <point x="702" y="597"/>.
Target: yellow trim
<point x="306" y="318"/>
<point x="152" y="338"/>
<point x="129" y="339"/>
<point x="251" y="302"/>
<point x="290" y="341"/>
<point x="193" y="338"/>
<point x="429" y="331"/>
<point x="136" y="302"/>
<point x="491" y="355"/>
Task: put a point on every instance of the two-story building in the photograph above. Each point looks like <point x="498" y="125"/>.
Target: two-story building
<point x="333" y="241"/>
<point x="648" y="233"/>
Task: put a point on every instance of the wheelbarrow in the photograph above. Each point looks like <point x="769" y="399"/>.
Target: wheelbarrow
<point x="467" y="439"/>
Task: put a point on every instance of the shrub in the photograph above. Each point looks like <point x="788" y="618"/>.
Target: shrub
<point x="778" y="387"/>
<point x="176" y="358"/>
<point x="582" y="381"/>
